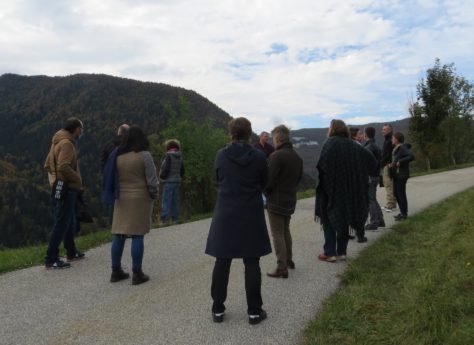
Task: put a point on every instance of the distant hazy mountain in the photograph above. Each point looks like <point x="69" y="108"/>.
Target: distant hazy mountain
<point x="308" y="141"/>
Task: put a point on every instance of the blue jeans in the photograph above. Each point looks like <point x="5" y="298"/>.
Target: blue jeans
<point x="170" y="202"/>
<point x="64" y="227"/>
<point x="137" y="249"/>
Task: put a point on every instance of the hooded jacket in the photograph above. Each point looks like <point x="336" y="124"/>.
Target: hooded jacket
<point x="238" y="228"/>
<point x="62" y="160"/>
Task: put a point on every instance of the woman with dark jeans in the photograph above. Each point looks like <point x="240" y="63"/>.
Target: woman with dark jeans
<point x="400" y="170"/>
<point x="238" y="229"/>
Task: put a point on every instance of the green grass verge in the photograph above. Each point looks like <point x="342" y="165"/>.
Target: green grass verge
<point x="414" y="286"/>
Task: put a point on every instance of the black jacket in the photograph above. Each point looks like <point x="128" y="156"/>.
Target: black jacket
<point x="238" y="227"/>
<point x="402" y="155"/>
<point x="377" y="153"/>
<point x="387" y="150"/>
<point x="284" y="173"/>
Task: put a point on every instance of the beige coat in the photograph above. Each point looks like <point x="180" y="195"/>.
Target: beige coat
<point x="133" y="209"/>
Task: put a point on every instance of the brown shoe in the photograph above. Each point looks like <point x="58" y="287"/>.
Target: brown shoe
<point x="278" y="273"/>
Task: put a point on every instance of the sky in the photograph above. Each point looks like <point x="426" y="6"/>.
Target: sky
<point x="299" y="62"/>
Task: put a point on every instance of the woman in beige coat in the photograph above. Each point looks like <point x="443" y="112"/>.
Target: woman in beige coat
<point x="131" y="172"/>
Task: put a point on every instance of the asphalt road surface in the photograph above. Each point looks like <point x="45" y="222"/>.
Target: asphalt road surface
<point x="80" y="306"/>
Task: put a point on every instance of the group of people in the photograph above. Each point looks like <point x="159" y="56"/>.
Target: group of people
<point x="250" y="179"/>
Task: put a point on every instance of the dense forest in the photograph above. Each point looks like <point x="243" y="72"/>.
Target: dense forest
<point x="32" y="109"/>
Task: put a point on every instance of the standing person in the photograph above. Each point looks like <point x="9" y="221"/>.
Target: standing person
<point x="238" y="228"/>
<point x="387" y="150"/>
<point x="106" y="151"/>
<point x="342" y="191"/>
<point x="112" y="144"/>
<point x="375" y="212"/>
<point x="171" y="174"/>
<point x="356" y="136"/>
<point x="132" y="185"/>
<point x="263" y="144"/>
<point x="62" y="167"/>
<point x="284" y="174"/>
<point x="400" y="168"/>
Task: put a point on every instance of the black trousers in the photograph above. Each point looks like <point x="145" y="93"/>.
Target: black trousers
<point x="335" y="240"/>
<point x="400" y="191"/>
<point x="253" y="284"/>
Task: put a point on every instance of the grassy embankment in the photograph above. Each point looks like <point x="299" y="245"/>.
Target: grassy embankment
<point x="415" y="285"/>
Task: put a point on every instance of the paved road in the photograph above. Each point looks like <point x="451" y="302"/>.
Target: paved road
<point x="80" y="306"/>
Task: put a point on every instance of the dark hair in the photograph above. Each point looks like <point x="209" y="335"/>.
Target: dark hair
<point x="71" y="124"/>
<point x="370" y="132"/>
<point x="338" y="128"/>
<point x="134" y="140"/>
<point x="354" y="131"/>
<point x="282" y="132"/>
<point x="400" y="137"/>
<point x="240" y="129"/>
<point x="387" y="125"/>
<point x="172" y="144"/>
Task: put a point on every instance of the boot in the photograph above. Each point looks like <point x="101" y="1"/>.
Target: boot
<point x="139" y="277"/>
<point x="118" y="274"/>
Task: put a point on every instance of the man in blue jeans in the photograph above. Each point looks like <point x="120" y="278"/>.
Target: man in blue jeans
<point x="62" y="167"/>
<point x="171" y="174"/>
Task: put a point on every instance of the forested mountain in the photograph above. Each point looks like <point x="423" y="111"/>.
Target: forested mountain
<point x="33" y="108"/>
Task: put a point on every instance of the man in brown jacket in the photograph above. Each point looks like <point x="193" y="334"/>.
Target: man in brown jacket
<point x="284" y="173"/>
<point x="61" y="164"/>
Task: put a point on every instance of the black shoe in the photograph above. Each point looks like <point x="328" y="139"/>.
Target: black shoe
<point x="59" y="264"/>
<point x="351" y="237"/>
<point x="399" y="217"/>
<point x="77" y="256"/>
<point x="381" y="224"/>
<point x="218" y="317"/>
<point x="362" y="239"/>
<point x="254" y="319"/>
<point x="118" y="274"/>
<point x="139" y="277"/>
<point x="371" y="227"/>
<point x="290" y="264"/>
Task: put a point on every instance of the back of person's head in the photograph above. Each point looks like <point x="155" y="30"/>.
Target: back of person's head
<point x="354" y="131"/>
<point x="134" y="139"/>
<point x="172" y="144"/>
<point x="338" y="128"/>
<point x="71" y="124"/>
<point x="281" y="134"/>
<point x="240" y="129"/>
<point x="122" y="129"/>
<point x="400" y="137"/>
<point x="369" y="132"/>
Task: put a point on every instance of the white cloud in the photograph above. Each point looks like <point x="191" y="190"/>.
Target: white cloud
<point x="362" y="59"/>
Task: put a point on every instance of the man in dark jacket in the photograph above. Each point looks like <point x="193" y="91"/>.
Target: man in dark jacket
<point x="263" y="144"/>
<point x="375" y="212"/>
<point x="386" y="160"/>
<point x="284" y="173"/>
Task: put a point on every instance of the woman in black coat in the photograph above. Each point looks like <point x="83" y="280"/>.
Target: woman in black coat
<point x="400" y="171"/>
<point x="238" y="228"/>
